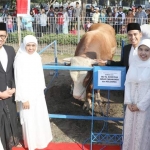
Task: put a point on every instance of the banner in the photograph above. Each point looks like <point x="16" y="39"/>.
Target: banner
<point x="23" y="7"/>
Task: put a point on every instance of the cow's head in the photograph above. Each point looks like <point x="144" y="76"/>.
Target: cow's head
<point x="78" y="77"/>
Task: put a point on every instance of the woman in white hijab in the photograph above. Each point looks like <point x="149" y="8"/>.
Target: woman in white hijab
<point x="137" y="99"/>
<point x="30" y="85"/>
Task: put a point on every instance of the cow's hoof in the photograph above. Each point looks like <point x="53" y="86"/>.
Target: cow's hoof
<point x="84" y="106"/>
<point x="87" y="106"/>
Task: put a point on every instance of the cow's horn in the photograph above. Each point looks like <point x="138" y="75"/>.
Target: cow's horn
<point x="67" y="59"/>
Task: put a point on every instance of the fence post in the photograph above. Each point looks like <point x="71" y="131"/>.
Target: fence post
<point x="78" y="28"/>
<point x="19" y="30"/>
<point x="55" y="51"/>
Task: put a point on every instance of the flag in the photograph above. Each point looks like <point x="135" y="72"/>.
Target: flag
<point x="23" y="7"/>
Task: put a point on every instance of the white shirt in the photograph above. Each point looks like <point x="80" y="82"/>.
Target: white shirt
<point x="133" y="52"/>
<point x="3" y="58"/>
<point x="43" y="19"/>
<point x="95" y="17"/>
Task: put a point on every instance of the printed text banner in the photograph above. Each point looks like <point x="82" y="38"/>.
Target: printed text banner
<point x="109" y="78"/>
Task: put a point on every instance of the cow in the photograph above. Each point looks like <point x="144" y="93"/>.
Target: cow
<point x="98" y="43"/>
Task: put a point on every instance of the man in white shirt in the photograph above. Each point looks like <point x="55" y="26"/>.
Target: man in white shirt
<point x="8" y="114"/>
<point x="130" y="50"/>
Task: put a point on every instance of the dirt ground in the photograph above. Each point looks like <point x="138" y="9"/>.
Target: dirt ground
<point x="60" y="101"/>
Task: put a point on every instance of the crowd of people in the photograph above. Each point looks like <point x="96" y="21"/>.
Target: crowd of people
<point x="54" y="20"/>
<point x="65" y="20"/>
<point x="117" y="18"/>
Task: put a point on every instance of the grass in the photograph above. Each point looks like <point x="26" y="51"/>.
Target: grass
<point x="116" y="58"/>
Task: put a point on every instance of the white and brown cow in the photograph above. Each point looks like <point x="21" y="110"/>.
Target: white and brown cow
<point x="98" y="43"/>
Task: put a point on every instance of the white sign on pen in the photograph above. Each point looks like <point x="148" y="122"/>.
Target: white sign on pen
<point x="111" y="78"/>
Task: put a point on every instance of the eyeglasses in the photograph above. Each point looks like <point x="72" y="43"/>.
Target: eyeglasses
<point x="3" y="37"/>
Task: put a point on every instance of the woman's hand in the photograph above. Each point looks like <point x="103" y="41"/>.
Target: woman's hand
<point x="26" y="105"/>
<point x="133" y="107"/>
<point x="130" y="107"/>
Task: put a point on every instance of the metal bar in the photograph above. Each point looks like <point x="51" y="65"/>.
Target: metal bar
<point x="46" y="47"/>
<point x="68" y="68"/>
<point x="84" y="117"/>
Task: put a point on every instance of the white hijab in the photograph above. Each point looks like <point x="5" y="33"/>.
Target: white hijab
<point x="29" y="77"/>
<point x="139" y="71"/>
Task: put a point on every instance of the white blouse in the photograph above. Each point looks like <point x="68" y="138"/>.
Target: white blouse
<point x="133" y="52"/>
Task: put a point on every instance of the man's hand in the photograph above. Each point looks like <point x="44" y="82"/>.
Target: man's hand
<point x="11" y="91"/>
<point x="26" y="105"/>
<point x="101" y="62"/>
<point x="6" y="94"/>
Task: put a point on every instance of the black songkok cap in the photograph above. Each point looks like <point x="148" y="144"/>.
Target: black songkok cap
<point x="133" y="26"/>
<point x="3" y="26"/>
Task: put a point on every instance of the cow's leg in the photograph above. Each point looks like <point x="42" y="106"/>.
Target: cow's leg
<point x="88" y="104"/>
<point x="98" y="99"/>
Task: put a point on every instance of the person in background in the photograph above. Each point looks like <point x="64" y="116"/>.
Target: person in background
<point x="129" y="17"/>
<point x="14" y="17"/>
<point x="123" y="30"/>
<point x="137" y="99"/>
<point x="77" y="15"/>
<point x="87" y="25"/>
<point x="66" y="21"/>
<point x="103" y="16"/>
<point x="51" y="20"/>
<point x="119" y="17"/>
<point x="96" y="16"/>
<point x="43" y="22"/>
<point x="60" y="21"/>
<point x="70" y="15"/>
<point x="30" y="85"/>
<point x="9" y="23"/>
<point x="27" y="22"/>
<point x="1" y="15"/>
<point x="134" y="10"/>
<point x="91" y="13"/>
<point x="110" y="19"/>
<point x="148" y="15"/>
<point x="140" y="16"/>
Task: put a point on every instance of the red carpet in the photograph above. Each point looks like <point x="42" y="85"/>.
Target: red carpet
<point x="75" y="146"/>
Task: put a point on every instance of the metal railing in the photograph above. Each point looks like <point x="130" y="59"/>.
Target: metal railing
<point x="68" y="39"/>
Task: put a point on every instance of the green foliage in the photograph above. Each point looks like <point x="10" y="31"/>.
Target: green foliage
<point x="13" y="37"/>
<point x="120" y="38"/>
<point x="62" y="39"/>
